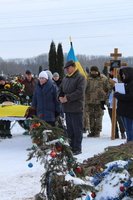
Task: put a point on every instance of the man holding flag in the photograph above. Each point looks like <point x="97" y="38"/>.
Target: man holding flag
<point x="71" y="95"/>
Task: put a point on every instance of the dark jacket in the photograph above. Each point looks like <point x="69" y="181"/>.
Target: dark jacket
<point x="58" y="82"/>
<point x="74" y="89"/>
<point x="125" y="101"/>
<point x="29" y="86"/>
<point x="45" y="101"/>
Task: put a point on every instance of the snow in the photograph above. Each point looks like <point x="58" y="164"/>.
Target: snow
<point x="20" y="182"/>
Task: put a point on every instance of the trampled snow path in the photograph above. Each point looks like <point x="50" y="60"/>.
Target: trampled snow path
<point x="18" y="181"/>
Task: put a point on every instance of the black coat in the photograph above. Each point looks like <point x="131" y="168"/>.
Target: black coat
<point x="74" y="89"/>
<point x="125" y="101"/>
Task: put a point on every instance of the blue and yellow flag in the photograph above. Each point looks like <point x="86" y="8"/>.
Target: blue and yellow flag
<point x="71" y="56"/>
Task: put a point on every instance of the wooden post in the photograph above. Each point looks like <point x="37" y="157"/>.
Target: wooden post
<point x="114" y="106"/>
<point x="115" y="56"/>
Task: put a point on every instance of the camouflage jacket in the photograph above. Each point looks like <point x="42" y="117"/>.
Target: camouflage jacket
<point x="97" y="89"/>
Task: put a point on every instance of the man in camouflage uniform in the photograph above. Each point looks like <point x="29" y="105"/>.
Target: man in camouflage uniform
<point x="96" y="95"/>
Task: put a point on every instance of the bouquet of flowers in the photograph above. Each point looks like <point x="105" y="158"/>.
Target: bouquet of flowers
<point x="17" y="87"/>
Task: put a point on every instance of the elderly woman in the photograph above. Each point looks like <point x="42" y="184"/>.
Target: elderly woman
<point x="45" y="99"/>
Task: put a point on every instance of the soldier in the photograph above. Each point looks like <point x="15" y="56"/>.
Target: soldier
<point x="96" y="95"/>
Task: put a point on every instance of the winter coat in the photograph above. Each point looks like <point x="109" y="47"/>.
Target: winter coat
<point x="125" y="101"/>
<point x="58" y="82"/>
<point x="74" y="89"/>
<point x="29" y="86"/>
<point x="45" y="101"/>
<point x="97" y="89"/>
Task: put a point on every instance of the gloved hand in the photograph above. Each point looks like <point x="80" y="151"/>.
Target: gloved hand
<point x="103" y="105"/>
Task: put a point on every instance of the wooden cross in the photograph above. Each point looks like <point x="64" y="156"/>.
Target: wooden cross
<point x="116" y="55"/>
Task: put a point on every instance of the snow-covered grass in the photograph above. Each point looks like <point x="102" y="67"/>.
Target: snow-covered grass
<point x="18" y="181"/>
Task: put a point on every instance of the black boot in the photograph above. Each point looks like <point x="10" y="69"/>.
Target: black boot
<point x="2" y="134"/>
<point x="8" y="134"/>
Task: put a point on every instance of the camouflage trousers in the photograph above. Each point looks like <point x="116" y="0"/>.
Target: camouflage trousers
<point x="95" y="113"/>
<point x="86" y="121"/>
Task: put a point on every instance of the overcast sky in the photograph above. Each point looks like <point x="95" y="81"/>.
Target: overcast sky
<point x="96" y="27"/>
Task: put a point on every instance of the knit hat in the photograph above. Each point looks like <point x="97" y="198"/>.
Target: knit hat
<point x="28" y="72"/>
<point x="49" y="73"/>
<point x="43" y="74"/>
<point x="69" y="63"/>
<point x="94" y="68"/>
<point x="55" y="74"/>
<point x="2" y="78"/>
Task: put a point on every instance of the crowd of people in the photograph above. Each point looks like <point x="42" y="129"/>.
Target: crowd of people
<point x="79" y="100"/>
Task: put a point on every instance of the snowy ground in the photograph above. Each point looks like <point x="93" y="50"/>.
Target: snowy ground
<point x="18" y="181"/>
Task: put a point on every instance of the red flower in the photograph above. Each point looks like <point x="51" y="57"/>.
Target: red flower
<point x="122" y="188"/>
<point x="53" y="154"/>
<point x="34" y="126"/>
<point x="93" y="195"/>
<point x="78" y="169"/>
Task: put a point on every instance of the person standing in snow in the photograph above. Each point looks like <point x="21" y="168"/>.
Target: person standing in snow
<point x="71" y="95"/>
<point x="45" y="99"/>
<point x="119" y="123"/>
<point x="29" y="83"/>
<point x="125" y="101"/>
<point x="97" y="91"/>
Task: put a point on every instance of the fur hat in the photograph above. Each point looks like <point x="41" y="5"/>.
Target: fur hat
<point x="43" y="74"/>
<point x="55" y="74"/>
<point x="70" y="63"/>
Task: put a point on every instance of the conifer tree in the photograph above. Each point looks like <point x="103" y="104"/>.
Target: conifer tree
<point x="52" y="57"/>
<point x="60" y="60"/>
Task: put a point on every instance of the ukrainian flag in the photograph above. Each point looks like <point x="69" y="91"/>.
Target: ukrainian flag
<point x="71" y="56"/>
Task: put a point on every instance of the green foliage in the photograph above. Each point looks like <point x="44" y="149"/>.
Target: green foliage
<point x="52" y="57"/>
<point x="51" y="147"/>
<point x="60" y="60"/>
<point x="122" y="152"/>
<point x="56" y="59"/>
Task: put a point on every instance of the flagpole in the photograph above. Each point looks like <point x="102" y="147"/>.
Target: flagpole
<point x="70" y="41"/>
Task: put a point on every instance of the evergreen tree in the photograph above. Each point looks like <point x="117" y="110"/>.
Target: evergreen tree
<point x="60" y="60"/>
<point x="51" y="147"/>
<point x="52" y="57"/>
